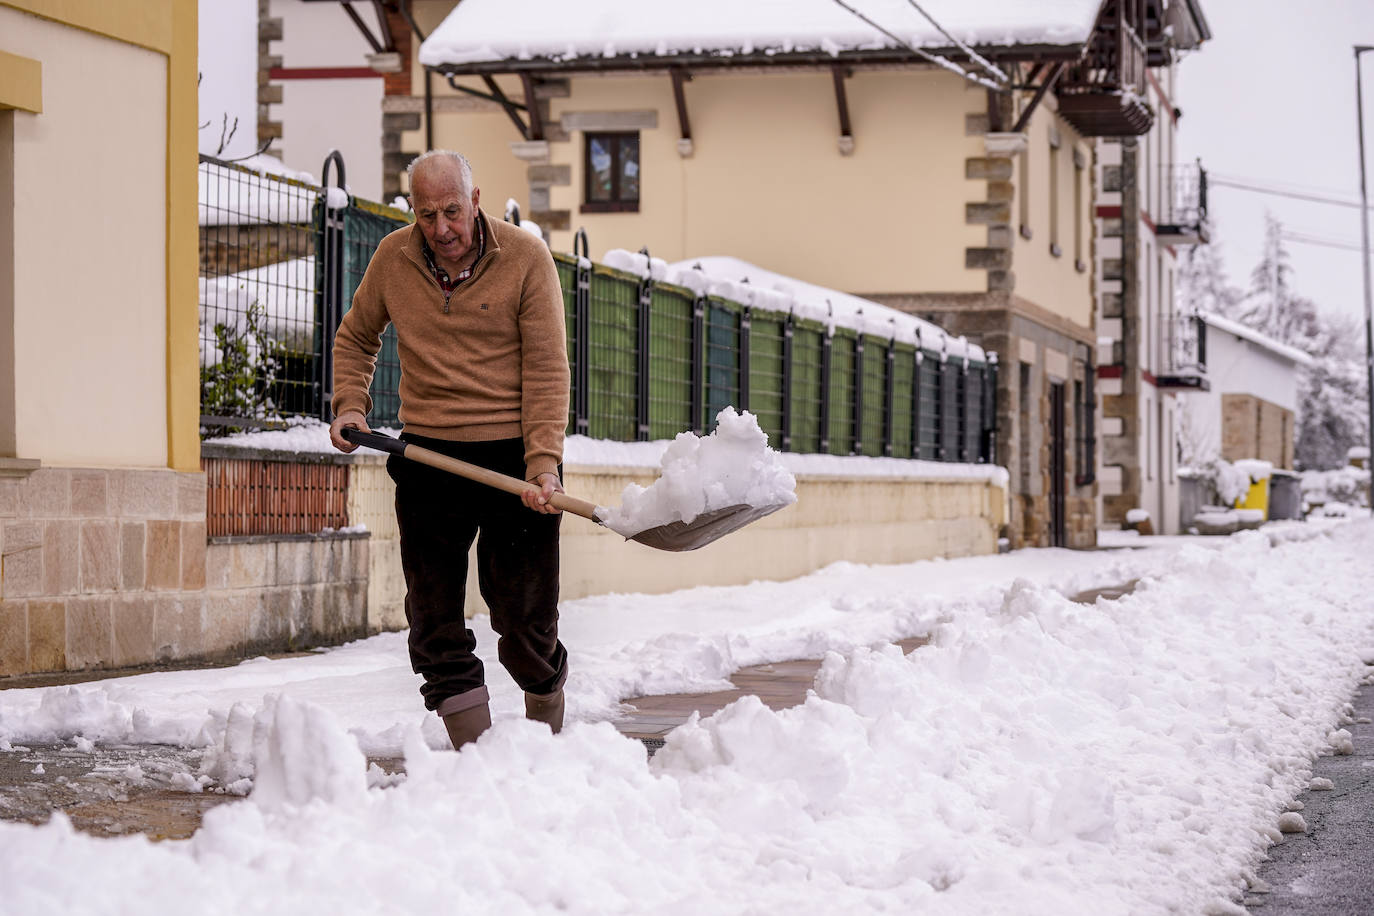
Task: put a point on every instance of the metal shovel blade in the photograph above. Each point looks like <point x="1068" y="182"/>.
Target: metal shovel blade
<point x="703" y="529"/>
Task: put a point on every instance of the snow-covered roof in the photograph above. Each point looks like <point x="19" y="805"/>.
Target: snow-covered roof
<point x="1234" y="327"/>
<point x="479" y="31"/>
<point x="754" y="286"/>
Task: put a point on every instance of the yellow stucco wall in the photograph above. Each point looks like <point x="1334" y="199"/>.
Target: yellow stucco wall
<point x="766" y="181"/>
<point x="104" y="313"/>
<point x="1053" y="282"/>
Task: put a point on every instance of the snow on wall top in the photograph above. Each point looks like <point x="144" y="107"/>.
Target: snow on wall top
<point x="479" y="31"/>
<point x="748" y="284"/>
<point x="1250" y="334"/>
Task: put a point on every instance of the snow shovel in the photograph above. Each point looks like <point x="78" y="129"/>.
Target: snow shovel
<point x="676" y="536"/>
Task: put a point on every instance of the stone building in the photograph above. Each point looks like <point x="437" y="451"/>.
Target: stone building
<point x="1149" y="208"/>
<point x="826" y="149"/>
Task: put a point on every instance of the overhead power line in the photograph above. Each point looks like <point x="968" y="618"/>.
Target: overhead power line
<point x="1297" y="195"/>
<point x="983" y="61"/>
<point x="925" y="55"/>
<point x="1305" y="239"/>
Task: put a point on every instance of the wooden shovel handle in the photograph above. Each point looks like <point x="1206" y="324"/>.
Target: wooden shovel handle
<point x="471" y="471"/>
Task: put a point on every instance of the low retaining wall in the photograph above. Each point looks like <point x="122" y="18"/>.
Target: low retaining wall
<point x="859" y="519"/>
<point x="109" y="568"/>
<point x="113" y="568"/>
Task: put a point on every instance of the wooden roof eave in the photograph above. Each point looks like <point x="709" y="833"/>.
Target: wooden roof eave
<point x="626" y="63"/>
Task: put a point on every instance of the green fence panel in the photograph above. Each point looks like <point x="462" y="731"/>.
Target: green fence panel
<point x="365" y="225"/>
<point x="766" y="332"/>
<point x="567" y="281"/>
<point x="951" y="409"/>
<point x="973" y="413"/>
<point x="928" y="436"/>
<point x="874" y="370"/>
<point x="670" y="362"/>
<point x="722" y="357"/>
<point x="902" y="369"/>
<point x="613" y="345"/>
<point x="807" y="338"/>
<point x="842" y="368"/>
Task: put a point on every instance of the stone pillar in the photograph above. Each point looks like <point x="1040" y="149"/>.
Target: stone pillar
<point x="269" y="30"/>
<point x="1123" y="450"/>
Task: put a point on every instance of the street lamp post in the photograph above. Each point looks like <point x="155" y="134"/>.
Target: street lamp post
<point x="1364" y="247"/>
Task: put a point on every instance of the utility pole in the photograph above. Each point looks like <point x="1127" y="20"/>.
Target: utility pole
<point x="1364" y="245"/>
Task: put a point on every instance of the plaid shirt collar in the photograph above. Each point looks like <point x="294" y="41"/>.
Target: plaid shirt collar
<point x="447" y="284"/>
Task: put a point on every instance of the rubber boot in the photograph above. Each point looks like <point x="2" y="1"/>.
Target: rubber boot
<point x="546" y="708"/>
<point x="464" y="727"/>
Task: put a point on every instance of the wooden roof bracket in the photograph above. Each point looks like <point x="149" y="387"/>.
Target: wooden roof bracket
<point x="379" y="45"/>
<point x="1045" y="86"/>
<point x="846" y="142"/>
<point x="498" y="96"/>
<point x="685" y="146"/>
<point x="536" y="131"/>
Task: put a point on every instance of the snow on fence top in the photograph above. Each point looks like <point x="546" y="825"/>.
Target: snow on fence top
<point x="751" y="285"/>
<point x="1250" y="334"/>
<point x="254" y="191"/>
<point x="480" y="31"/>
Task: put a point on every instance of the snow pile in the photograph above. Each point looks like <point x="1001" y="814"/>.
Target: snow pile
<point x="274" y="303"/>
<point x="751" y="285"/>
<point x="732" y="466"/>
<point x="480" y="30"/>
<point x="267" y="193"/>
<point x="1038" y="757"/>
<point x="1347" y="486"/>
<point x="1225" y="482"/>
<point x="637" y="263"/>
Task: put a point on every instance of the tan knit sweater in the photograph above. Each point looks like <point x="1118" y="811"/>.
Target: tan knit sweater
<point x="494" y="365"/>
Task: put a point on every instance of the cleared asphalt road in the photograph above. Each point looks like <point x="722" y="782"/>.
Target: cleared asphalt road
<point x="1329" y="870"/>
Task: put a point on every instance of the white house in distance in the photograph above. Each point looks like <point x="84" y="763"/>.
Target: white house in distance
<point x="1249" y="410"/>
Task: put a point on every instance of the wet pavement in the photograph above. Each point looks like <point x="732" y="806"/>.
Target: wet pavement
<point x="1326" y="870"/>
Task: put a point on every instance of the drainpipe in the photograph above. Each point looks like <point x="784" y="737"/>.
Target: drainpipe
<point x="404" y="7"/>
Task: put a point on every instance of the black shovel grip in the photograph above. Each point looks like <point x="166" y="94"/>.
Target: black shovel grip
<point x="373" y="440"/>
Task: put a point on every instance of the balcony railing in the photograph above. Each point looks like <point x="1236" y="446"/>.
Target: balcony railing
<point x="1182" y="202"/>
<point x="1103" y="95"/>
<point x="1184" y="353"/>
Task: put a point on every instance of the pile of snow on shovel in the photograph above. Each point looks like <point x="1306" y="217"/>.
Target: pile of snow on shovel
<point x="732" y="466"/>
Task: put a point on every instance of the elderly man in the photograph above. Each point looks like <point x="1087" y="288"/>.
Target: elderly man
<point x="484" y="378"/>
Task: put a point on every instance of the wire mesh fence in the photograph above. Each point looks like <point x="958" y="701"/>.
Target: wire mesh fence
<point x="281" y="259"/>
<point x="269" y="245"/>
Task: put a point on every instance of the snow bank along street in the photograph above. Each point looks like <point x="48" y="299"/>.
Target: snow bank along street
<point x="1038" y="756"/>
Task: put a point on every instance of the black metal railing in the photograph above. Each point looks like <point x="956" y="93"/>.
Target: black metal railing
<point x="281" y="259"/>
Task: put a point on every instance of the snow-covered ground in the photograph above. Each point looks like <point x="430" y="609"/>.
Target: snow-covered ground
<point x="1039" y="756"/>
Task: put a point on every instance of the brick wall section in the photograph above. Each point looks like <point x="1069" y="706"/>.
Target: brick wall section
<point x="1252" y="427"/>
<point x="107" y="568"/>
<point x="88" y="559"/>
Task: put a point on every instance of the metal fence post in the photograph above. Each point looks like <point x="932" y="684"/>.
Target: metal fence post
<point x="917" y="359"/>
<point x="990" y="413"/>
<point x="646" y="292"/>
<point x="825" y="392"/>
<point x="962" y="425"/>
<point x="582" y="336"/>
<point x="698" y="393"/>
<point x="744" y="324"/>
<point x="787" y="383"/>
<point x="940" y="382"/>
<point x="331" y="266"/>
<point x="858" y="447"/>
<point x="890" y="396"/>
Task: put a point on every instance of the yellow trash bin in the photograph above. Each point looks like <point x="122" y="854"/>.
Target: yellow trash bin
<point x="1257" y="496"/>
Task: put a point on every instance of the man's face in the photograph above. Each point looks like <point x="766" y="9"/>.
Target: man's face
<point x="444" y="213"/>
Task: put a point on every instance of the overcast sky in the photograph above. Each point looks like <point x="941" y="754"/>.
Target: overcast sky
<point x="1271" y="100"/>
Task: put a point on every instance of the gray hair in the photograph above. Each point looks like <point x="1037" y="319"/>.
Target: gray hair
<point x="464" y="168"/>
